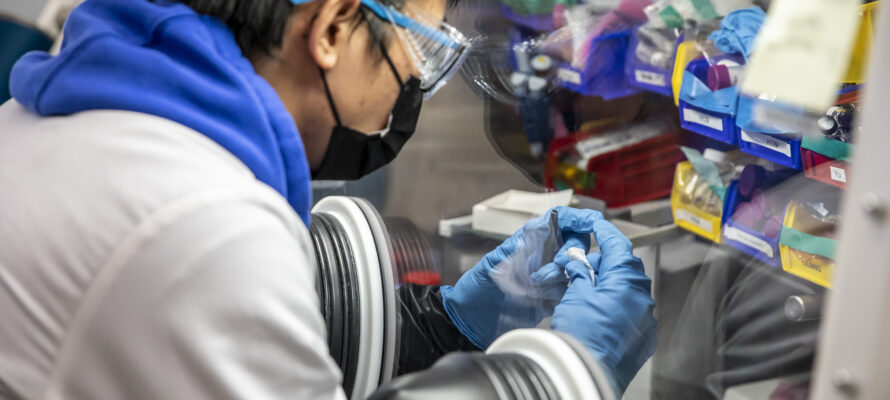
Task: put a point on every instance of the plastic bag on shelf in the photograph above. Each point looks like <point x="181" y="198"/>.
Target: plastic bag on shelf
<point x="674" y="13"/>
<point x="655" y="46"/>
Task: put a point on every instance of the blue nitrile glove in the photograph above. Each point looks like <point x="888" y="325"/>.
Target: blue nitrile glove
<point x="614" y="318"/>
<point x="738" y="30"/>
<point x="512" y="287"/>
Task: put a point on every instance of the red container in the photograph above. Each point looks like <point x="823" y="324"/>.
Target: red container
<point x="640" y="172"/>
<point x="825" y="169"/>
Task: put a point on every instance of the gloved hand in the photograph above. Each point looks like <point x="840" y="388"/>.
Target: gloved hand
<point x="513" y="286"/>
<point x="614" y="318"/>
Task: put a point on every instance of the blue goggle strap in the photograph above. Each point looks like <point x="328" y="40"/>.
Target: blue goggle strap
<point x="391" y="15"/>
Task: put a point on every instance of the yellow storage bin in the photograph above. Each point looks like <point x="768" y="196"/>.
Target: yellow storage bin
<point x="686" y="52"/>
<point x="803" y="252"/>
<point x="862" y="48"/>
<point x="691" y="209"/>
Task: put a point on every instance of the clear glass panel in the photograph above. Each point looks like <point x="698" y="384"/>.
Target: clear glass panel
<point x="732" y="202"/>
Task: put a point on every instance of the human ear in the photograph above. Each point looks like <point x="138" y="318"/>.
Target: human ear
<point x="329" y="27"/>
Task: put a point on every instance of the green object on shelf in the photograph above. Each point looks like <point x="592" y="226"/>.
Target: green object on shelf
<point x="671" y="17"/>
<point x="531" y="7"/>
<point x="827" y="147"/>
<point x="705" y="9"/>
<point x="706" y="169"/>
<point x="807" y="243"/>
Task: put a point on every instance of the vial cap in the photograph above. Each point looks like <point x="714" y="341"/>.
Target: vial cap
<point x="541" y="63"/>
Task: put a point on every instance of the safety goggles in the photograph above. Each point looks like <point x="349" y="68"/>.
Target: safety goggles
<point x="436" y="48"/>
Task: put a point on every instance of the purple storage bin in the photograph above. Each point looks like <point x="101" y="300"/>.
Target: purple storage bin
<point x="603" y="73"/>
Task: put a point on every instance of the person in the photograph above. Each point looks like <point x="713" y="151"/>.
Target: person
<point x="156" y="176"/>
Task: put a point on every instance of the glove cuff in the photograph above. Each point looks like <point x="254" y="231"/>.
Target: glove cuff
<point x="452" y="310"/>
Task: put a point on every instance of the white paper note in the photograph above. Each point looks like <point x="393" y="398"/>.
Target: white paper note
<point x="697" y="117"/>
<point x="683" y="215"/>
<point x="803" y="51"/>
<point x="749" y="240"/>
<point x="768" y="141"/>
<point x="650" y="78"/>
<point x="838" y="174"/>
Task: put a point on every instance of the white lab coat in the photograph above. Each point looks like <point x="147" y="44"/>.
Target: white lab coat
<point x="139" y="259"/>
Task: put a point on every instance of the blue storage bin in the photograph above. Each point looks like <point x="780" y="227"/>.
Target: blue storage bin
<point x="702" y="114"/>
<point x="708" y="123"/>
<point x="603" y="73"/>
<point x="745" y="239"/>
<point x="780" y="149"/>
<point x="647" y="77"/>
<point x="768" y="142"/>
<point x="536" y="22"/>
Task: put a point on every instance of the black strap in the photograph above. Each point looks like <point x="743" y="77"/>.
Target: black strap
<point x="391" y="65"/>
<point x="327" y="91"/>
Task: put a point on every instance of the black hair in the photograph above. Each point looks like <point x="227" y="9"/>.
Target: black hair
<point x="258" y="25"/>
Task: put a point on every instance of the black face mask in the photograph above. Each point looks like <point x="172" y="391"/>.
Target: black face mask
<point x="352" y="154"/>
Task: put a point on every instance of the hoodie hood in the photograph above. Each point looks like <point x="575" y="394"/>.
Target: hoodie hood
<point x="162" y="58"/>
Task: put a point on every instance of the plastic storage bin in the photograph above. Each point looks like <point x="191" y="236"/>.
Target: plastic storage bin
<point x="780" y="149"/>
<point x="825" y="160"/>
<point x="639" y="172"/>
<point x="689" y="216"/>
<point x="803" y="254"/>
<point x="708" y="123"/>
<point x="768" y="142"/>
<point x="603" y="73"/>
<point x="645" y="76"/>
<point x="686" y="52"/>
<point x="750" y="241"/>
<point x="862" y="47"/>
<point x="716" y="125"/>
<point x="542" y="22"/>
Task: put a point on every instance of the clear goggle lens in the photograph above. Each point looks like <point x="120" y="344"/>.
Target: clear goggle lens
<point x="436" y="48"/>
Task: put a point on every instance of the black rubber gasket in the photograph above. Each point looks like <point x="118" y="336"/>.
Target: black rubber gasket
<point x="335" y="276"/>
<point x="329" y="277"/>
<point x="322" y="283"/>
<point x="351" y="315"/>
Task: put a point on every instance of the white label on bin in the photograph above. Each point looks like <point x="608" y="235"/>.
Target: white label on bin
<point x="838" y="174"/>
<point x="650" y="78"/>
<point x="569" y="76"/>
<point x="683" y="215"/>
<point x="748" y="239"/>
<point x="701" y="118"/>
<point x="768" y="141"/>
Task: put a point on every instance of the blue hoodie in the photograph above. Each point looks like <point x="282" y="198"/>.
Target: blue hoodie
<point x="162" y="58"/>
